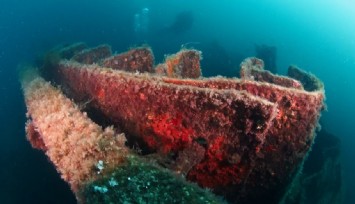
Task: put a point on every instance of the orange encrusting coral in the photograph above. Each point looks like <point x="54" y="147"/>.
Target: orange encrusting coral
<point x="172" y="63"/>
<point x="184" y="64"/>
<point x="69" y="138"/>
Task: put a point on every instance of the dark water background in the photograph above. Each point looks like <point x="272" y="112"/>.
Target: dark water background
<point x="316" y="35"/>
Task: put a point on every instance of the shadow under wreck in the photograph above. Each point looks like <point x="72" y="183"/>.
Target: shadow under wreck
<point x="244" y="138"/>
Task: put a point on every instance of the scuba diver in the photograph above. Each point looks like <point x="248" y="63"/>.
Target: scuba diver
<point x="141" y="23"/>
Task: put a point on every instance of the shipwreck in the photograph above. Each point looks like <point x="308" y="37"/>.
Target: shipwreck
<point x="119" y="128"/>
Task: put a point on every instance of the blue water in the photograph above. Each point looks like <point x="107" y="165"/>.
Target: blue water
<point x="316" y="35"/>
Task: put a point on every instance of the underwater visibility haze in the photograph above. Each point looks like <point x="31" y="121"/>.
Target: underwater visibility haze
<point x="316" y="36"/>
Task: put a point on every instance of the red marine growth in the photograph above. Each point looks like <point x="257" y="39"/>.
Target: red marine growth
<point x="243" y="138"/>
